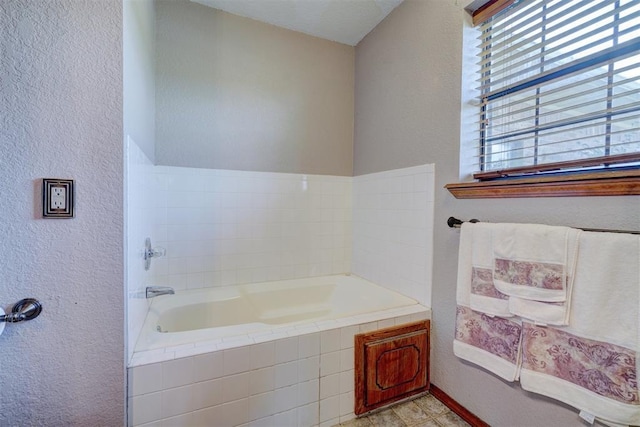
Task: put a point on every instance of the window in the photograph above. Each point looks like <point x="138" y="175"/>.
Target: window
<point x="559" y="83"/>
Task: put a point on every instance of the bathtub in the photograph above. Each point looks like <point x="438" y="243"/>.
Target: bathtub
<point x="225" y="314"/>
<point x="275" y="353"/>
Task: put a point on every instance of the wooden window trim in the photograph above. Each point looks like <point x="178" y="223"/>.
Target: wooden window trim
<point x="489" y="9"/>
<point x="613" y="183"/>
<point x="559" y="166"/>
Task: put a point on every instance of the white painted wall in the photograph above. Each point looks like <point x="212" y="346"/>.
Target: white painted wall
<point x="408" y="108"/>
<point x="61" y="113"/>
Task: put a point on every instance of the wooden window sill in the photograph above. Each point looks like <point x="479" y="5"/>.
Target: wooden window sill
<point x="615" y="183"/>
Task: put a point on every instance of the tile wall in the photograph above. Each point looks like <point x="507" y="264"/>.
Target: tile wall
<point x="145" y="213"/>
<point x="229" y="227"/>
<point x="304" y="380"/>
<point x="223" y="227"/>
<point x="393" y="230"/>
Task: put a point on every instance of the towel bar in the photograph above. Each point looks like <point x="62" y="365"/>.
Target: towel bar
<point x="456" y="223"/>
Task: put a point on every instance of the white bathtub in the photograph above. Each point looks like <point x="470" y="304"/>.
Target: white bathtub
<point x="206" y="315"/>
<point x="276" y="353"/>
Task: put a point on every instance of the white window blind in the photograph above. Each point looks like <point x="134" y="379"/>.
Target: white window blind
<point x="560" y="87"/>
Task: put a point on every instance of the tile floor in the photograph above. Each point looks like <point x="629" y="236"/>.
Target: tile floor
<point x="425" y="411"/>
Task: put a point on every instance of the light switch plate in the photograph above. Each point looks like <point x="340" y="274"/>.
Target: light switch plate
<point x="57" y="198"/>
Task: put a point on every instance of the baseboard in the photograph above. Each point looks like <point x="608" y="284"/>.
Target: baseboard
<point x="460" y="410"/>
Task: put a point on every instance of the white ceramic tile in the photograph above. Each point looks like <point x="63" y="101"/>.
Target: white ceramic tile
<point x="185" y="420"/>
<point x="145" y="379"/>
<point x="208" y="416"/>
<point x="208" y="366"/>
<point x="232" y="413"/>
<point x="329" y="363"/>
<point x="285" y="398"/>
<point x="346" y="336"/>
<point x="347" y="417"/>
<point x="385" y="323"/>
<point x="309" y="368"/>
<point x="329" y="408"/>
<point x="347" y="381"/>
<point x="178" y="372"/>
<point x="286" y="350"/>
<point x="236" y="360"/>
<point x="346" y="403"/>
<point x="368" y="327"/>
<point x="287" y="418"/>
<point x="235" y="387"/>
<point x="286" y="374"/>
<point x="207" y="393"/>
<point x="176" y="401"/>
<point x="330" y="341"/>
<point x="261" y="405"/>
<point x="308" y="415"/>
<point x="261" y="380"/>
<point x="308" y="391"/>
<point x="145" y="408"/>
<point x="329" y="386"/>
<point x="346" y="359"/>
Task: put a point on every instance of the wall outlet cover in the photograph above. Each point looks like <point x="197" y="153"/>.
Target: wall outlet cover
<point x="57" y="198"/>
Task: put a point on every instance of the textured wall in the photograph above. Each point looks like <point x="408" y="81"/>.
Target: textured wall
<point x="61" y="113"/>
<point x="408" y="102"/>
<point x="233" y="93"/>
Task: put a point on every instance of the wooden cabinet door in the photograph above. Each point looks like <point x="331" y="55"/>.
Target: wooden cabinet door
<point x="391" y="364"/>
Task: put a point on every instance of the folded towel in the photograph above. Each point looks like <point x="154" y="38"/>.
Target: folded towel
<point x="541" y="313"/>
<point x="481" y="337"/>
<point x="593" y="363"/>
<point x="475" y="287"/>
<point x="533" y="261"/>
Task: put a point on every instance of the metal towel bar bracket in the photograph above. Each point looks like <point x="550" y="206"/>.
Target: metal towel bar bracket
<point x="456" y="223"/>
<point x="25" y="309"/>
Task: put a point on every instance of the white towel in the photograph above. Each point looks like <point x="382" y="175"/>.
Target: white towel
<point x="475" y="287"/>
<point x="533" y="261"/>
<point x="593" y="363"/>
<point x="486" y="340"/>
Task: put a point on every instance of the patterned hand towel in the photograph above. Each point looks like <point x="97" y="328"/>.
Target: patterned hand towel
<point x="484" y="339"/>
<point x="475" y="272"/>
<point x="593" y="363"/>
<point x="533" y="261"/>
<point x="488" y="341"/>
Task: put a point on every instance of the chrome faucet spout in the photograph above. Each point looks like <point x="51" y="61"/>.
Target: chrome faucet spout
<point x="156" y="291"/>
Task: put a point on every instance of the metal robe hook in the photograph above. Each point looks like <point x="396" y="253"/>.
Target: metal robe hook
<point x="25" y="309"/>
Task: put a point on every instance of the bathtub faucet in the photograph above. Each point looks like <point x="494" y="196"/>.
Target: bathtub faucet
<point x="156" y="291"/>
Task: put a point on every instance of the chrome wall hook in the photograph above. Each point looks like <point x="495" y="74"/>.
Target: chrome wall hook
<point x="25" y="309"/>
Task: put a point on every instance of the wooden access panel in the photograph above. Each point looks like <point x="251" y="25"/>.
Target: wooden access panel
<point x="391" y="364"/>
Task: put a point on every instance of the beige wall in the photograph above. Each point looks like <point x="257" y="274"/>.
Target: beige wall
<point x="408" y="108"/>
<point x="139" y="81"/>
<point x="233" y="93"/>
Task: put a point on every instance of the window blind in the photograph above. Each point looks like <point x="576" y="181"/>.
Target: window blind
<point x="559" y="83"/>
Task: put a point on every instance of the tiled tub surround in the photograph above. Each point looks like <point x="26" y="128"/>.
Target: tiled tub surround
<point x="291" y="376"/>
<point x="232" y="227"/>
<point x="393" y="229"/>
<point x="145" y="216"/>
<point x="225" y="227"/>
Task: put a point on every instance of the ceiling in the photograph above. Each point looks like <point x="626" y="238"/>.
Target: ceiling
<point x="343" y="21"/>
